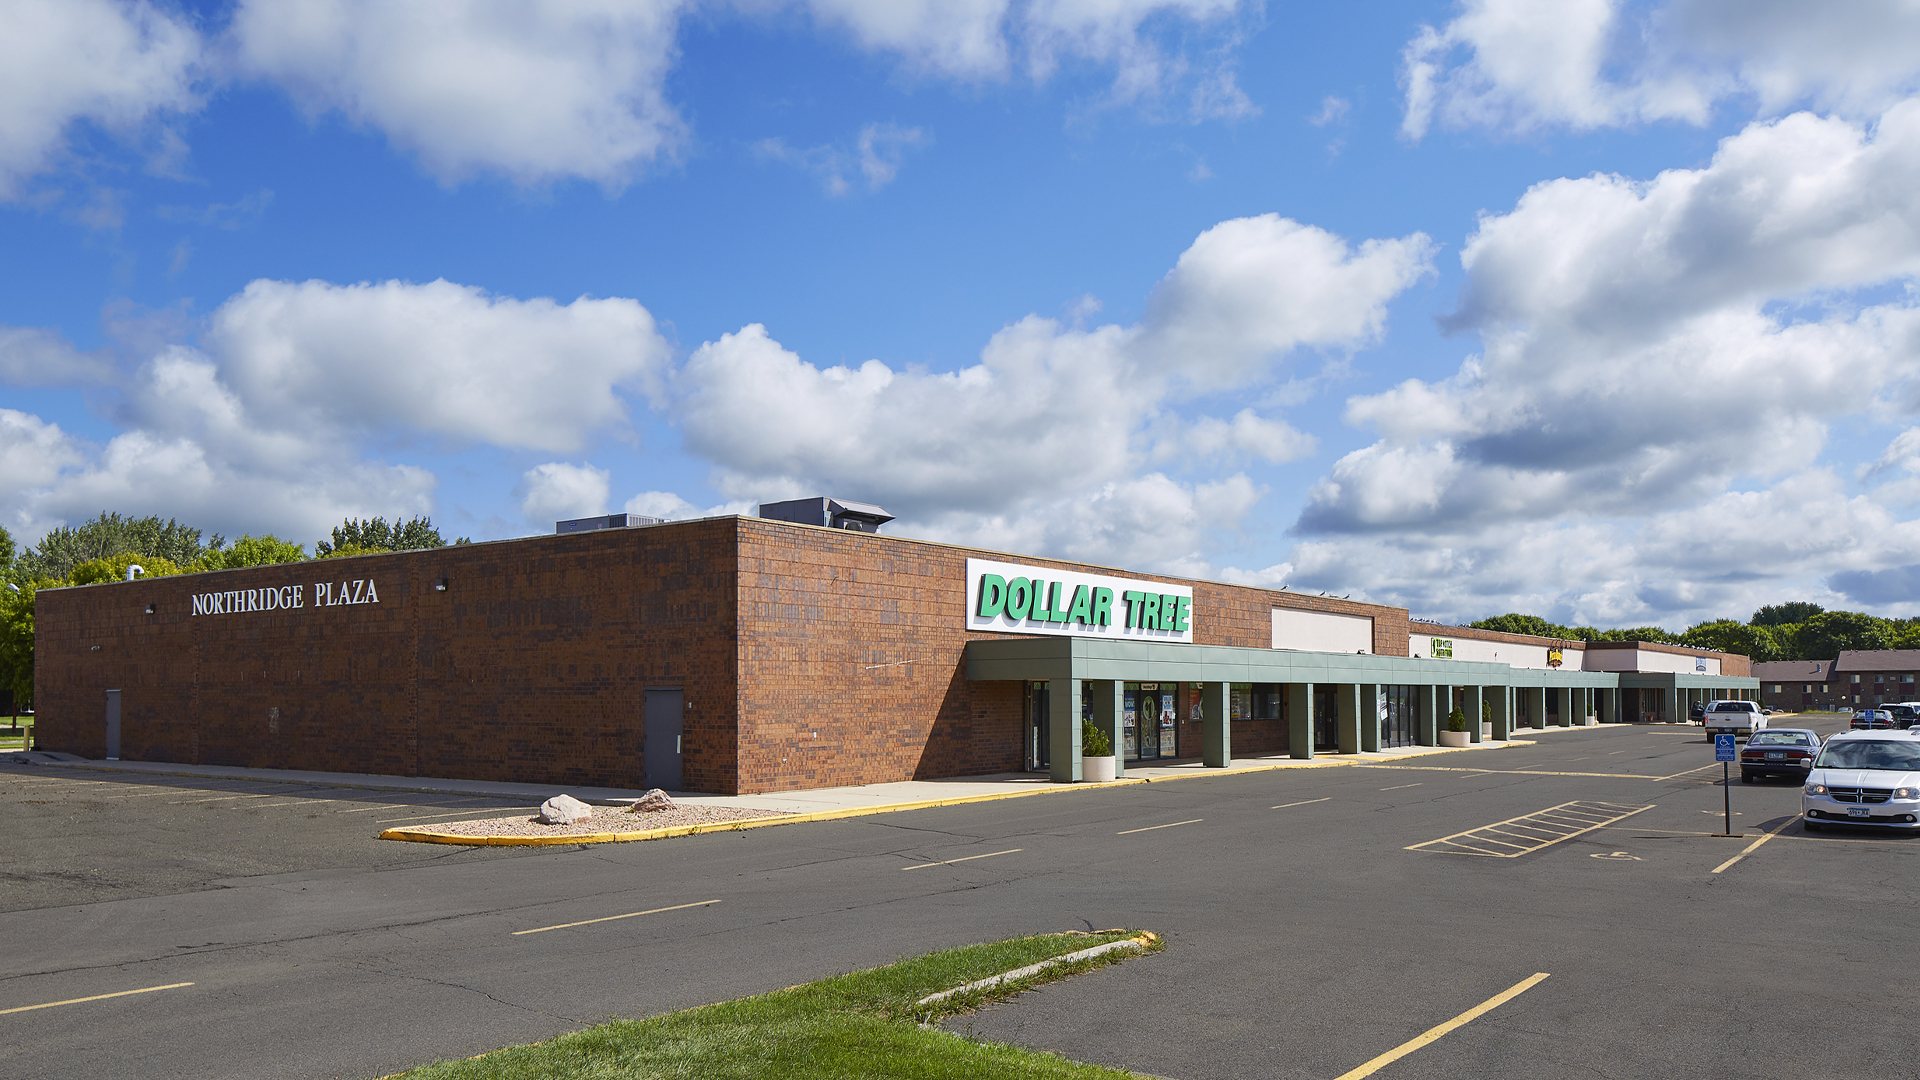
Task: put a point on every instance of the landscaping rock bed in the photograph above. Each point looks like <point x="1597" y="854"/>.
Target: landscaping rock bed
<point x="605" y="819"/>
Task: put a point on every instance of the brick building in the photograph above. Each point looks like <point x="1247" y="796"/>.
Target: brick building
<point x="1859" y="679"/>
<point x="1801" y="686"/>
<point x="741" y="654"/>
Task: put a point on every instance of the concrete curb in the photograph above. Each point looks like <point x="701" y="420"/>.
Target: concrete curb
<point x="428" y="836"/>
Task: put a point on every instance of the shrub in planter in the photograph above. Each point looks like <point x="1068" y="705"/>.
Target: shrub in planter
<point x="1456" y="733"/>
<point x="1094" y="742"/>
<point x="1096" y="755"/>
<point x="1457" y="719"/>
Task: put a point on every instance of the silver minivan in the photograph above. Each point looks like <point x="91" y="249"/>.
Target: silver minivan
<point x="1864" y="778"/>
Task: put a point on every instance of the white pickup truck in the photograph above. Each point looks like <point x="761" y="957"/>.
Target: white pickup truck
<point x="1733" y="717"/>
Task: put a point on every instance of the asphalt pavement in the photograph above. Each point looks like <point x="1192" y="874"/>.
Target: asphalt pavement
<point x="1315" y="919"/>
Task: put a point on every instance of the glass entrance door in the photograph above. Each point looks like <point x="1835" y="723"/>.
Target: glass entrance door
<point x="1039" y="737"/>
<point x="1326" y="718"/>
<point x="1397" y="721"/>
<point x="1149" y="722"/>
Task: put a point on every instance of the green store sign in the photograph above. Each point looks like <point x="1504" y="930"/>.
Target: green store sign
<point x="1034" y="600"/>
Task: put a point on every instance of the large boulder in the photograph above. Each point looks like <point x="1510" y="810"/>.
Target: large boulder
<point x="564" y="810"/>
<point x="653" y="800"/>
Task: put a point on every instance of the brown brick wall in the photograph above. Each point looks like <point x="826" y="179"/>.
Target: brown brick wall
<point x="1242" y="615"/>
<point x="531" y="666"/>
<point x="810" y="657"/>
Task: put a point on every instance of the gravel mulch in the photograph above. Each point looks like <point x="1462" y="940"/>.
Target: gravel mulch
<point x="605" y="819"/>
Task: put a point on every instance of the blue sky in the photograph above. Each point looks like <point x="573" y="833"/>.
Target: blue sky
<point x="1594" y="309"/>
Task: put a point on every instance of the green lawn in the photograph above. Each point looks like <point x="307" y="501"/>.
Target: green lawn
<point x="860" y="1025"/>
<point x="15" y="742"/>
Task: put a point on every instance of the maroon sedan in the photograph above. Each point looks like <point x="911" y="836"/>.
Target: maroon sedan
<point x="1779" y="752"/>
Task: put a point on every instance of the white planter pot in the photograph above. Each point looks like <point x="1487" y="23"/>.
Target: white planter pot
<point x="1456" y="738"/>
<point x="1095" y="770"/>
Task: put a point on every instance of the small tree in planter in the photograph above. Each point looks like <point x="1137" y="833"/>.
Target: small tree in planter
<point x="1096" y="754"/>
<point x="1456" y="733"/>
<point x="1486" y="717"/>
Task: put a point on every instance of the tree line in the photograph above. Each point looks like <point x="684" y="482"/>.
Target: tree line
<point x="102" y="549"/>
<point x="1797" y="630"/>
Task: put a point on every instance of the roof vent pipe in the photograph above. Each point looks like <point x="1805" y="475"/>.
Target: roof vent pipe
<point x="134" y="570"/>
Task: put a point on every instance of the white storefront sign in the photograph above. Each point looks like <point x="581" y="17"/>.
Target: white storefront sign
<point x="286" y="597"/>
<point x="1018" y="599"/>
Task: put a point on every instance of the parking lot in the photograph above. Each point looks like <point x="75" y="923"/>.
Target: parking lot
<point x="1316" y="920"/>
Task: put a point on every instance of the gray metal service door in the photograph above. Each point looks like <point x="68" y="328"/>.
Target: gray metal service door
<point x="113" y="725"/>
<point x="661" y="752"/>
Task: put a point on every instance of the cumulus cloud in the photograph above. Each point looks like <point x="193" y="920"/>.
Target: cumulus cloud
<point x="436" y="359"/>
<point x="265" y="424"/>
<point x="670" y="507"/>
<point x="535" y="90"/>
<point x="558" y="491"/>
<point x="1585" y="64"/>
<point x="1149" y="522"/>
<point x="955" y="453"/>
<point x="1251" y="288"/>
<point x="963" y="38"/>
<point x="919" y="439"/>
<point x="1723" y="557"/>
<point x="30" y="356"/>
<point x="1074" y="398"/>
<point x="123" y="65"/>
<point x="194" y="452"/>
<point x="1619" y="319"/>
<point x="1246" y="435"/>
<point x="1655" y="356"/>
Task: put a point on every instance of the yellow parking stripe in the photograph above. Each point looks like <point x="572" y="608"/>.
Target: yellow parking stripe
<point x="1433" y="1033"/>
<point x="96" y="997"/>
<point x="1748" y="850"/>
<point x="611" y="918"/>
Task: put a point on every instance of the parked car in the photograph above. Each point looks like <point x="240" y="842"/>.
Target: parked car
<point x="1696" y="713"/>
<point x="1904" y="714"/>
<point x="1779" y="752"/>
<point x="1868" y="719"/>
<point x="1735" y="717"/>
<point x="1864" y="778"/>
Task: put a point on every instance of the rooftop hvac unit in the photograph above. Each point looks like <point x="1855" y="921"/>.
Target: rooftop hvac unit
<point x="604" y="521"/>
<point x="831" y="513"/>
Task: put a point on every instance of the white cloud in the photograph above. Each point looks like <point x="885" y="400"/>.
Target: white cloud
<point x="670" y="507"/>
<point x="558" y="491"/>
<point x="982" y="40"/>
<point x="120" y="65"/>
<point x="1584" y="64"/>
<point x="910" y="439"/>
<point x="1656" y="356"/>
<point x="1251" y="288"/>
<point x="877" y="156"/>
<point x="536" y="90"/>
<point x="195" y="453"/>
<point x="961" y="38"/>
<point x="959" y="453"/>
<point x="32" y="453"/>
<point x="1248" y="434"/>
<point x="30" y="356"/>
<point x="437" y="359"/>
<point x="1626" y="324"/>
<point x="1148" y="522"/>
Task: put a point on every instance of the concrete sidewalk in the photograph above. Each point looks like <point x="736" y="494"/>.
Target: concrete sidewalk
<point x="870" y="798"/>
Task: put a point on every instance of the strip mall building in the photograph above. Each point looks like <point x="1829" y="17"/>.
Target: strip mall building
<point x="740" y="654"/>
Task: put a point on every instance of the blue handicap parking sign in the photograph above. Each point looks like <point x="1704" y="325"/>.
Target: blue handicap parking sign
<point x="1723" y="748"/>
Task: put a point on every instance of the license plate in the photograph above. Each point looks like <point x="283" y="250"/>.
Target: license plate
<point x="1857" y="811"/>
<point x="1775" y="755"/>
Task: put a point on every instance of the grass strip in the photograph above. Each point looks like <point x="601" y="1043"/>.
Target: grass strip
<point x="863" y="1024"/>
